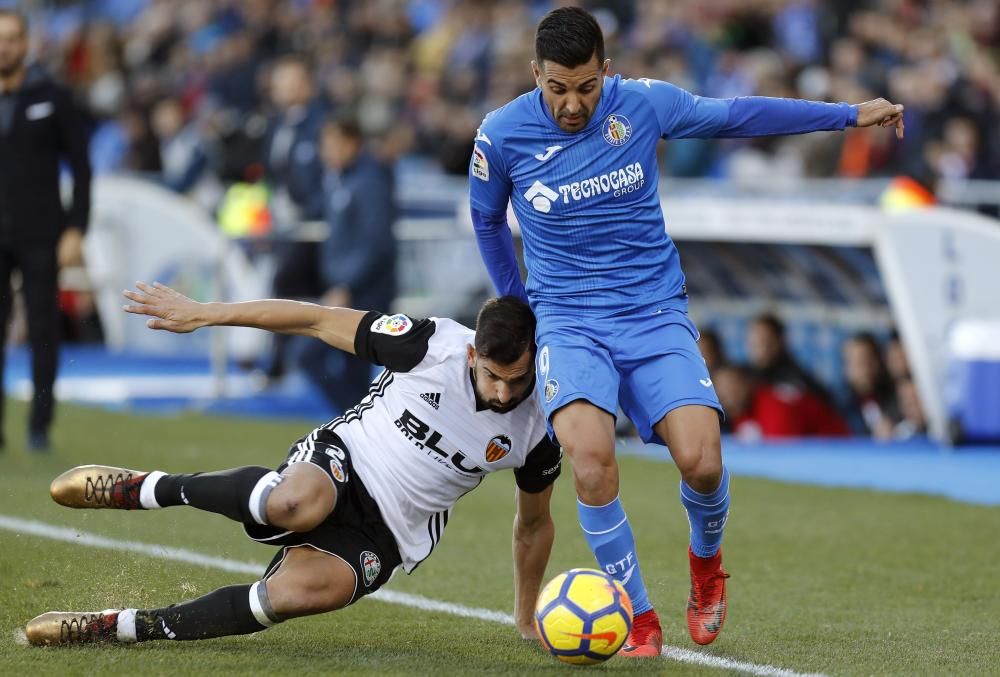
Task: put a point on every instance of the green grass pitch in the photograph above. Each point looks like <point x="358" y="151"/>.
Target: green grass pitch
<point x="832" y="581"/>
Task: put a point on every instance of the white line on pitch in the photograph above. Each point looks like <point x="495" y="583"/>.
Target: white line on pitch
<point x="68" y="535"/>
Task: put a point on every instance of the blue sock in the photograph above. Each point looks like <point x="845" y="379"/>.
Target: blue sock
<point x="610" y="538"/>
<point x="707" y="515"/>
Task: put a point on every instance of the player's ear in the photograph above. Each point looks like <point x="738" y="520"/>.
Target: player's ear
<point x="605" y="67"/>
<point x="470" y="352"/>
<point x="536" y="72"/>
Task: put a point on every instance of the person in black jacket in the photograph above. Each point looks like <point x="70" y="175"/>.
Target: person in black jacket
<point x="39" y="127"/>
<point x="357" y="260"/>
<point x="292" y="169"/>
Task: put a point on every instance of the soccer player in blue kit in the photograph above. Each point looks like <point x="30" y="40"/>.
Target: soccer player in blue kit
<point x="576" y="158"/>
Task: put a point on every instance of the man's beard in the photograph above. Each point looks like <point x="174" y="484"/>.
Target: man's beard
<point x="503" y="408"/>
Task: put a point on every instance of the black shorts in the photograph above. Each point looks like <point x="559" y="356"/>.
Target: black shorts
<point x="355" y="531"/>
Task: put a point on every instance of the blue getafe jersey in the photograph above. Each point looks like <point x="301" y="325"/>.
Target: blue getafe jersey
<point x="587" y="202"/>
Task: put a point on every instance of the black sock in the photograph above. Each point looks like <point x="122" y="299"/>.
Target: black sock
<point x="226" y="611"/>
<point x="226" y="492"/>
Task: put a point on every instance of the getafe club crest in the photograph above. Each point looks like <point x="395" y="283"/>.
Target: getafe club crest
<point x="617" y="129"/>
<point x="498" y="447"/>
<point x="551" y="389"/>
<point x="370" y="567"/>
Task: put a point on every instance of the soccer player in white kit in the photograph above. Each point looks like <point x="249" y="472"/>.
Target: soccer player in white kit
<point x="358" y="497"/>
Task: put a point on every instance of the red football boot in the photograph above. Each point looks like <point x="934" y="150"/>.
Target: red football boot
<point x="646" y="638"/>
<point x="706" y="610"/>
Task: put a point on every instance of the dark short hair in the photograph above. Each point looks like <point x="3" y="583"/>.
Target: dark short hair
<point x="570" y="37"/>
<point x="772" y="322"/>
<point x="347" y="125"/>
<point x="14" y="13"/>
<point x="868" y="340"/>
<point x="505" y="328"/>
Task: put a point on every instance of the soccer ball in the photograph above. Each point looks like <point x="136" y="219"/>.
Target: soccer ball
<point x="583" y="616"/>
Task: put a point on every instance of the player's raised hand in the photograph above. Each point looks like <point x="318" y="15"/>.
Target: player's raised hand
<point x="882" y="113"/>
<point x="168" y="309"/>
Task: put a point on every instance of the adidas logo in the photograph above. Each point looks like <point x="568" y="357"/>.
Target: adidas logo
<point x="433" y="399"/>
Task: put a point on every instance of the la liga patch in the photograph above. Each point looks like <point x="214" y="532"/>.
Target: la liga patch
<point x="393" y="325"/>
<point x="480" y="166"/>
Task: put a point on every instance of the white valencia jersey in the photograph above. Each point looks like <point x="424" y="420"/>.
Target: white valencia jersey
<point x="421" y="439"/>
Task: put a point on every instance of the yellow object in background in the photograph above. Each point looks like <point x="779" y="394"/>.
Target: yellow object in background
<point x="244" y="211"/>
<point x="904" y="193"/>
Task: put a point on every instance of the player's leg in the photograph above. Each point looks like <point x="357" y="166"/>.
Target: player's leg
<point x="668" y="394"/>
<point x="352" y="553"/>
<point x="41" y="300"/>
<point x="579" y="386"/>
<point x="6" y="306"/>
<point x="693" y="437"/>
<point x="306" y="582"/>
<point x="692" y="434"/>
<point x="296" y="499"/>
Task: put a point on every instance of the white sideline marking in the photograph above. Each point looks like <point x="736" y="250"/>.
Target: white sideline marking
<point x="68" y="535"/>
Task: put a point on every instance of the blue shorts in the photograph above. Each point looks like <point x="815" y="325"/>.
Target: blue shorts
<point x="648" y="363"/>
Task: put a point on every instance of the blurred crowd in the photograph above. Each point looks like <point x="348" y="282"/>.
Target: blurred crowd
<point x="222" y="98"/>
<point x="181" y="87"/>
<point x="774" y="396"/>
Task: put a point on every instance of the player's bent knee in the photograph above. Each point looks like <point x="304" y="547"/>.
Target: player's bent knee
<point x="700" y="468"/>
<point x="310" y="582"/>
<point x="595" y="474"/>
<point x="593" y="470"/>
<point x="301" y="503"/>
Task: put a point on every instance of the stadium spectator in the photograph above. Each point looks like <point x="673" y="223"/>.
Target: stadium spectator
<point x="711" y="350"/>
<point x="771" y="359"/>
<point x="291" y="158"/>
<point x="735" y="387"/>
<point x="422" y="74"/>
<point x="357" y="260"/>
<point x="40" y="126"/>
<point x="794" y="401"/>
<point x="292" y="169"/>
<point x="870" y="406"/>
<point x="896" y="361"/>
<point x="913" y="420"/>
<point x="183" y="154"/>
<point x="756" y="410"/>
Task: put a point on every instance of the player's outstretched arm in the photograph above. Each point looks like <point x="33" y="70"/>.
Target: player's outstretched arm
<point x="768" y="116"/>
<point x="169" y="310"/>
<point x="534" y="532"/>
<point x="683" y="115"/>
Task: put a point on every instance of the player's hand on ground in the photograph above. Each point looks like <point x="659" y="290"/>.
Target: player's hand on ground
<point x="882" y="113"/>
<point x="168" y="309"/>
<point x="527" y="631"/>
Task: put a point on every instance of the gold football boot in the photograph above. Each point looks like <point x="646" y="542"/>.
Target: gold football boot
<point x="98" y="486"/>
<point x="68" y="627"/>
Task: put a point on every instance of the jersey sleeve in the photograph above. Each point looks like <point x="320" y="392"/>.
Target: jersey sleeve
<point x="397" y="342"/>
<point x="541" y="467"/>
<point x="679" y="113"/>
<point x="682" y="114"/>
<point x="489" y="183"/>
